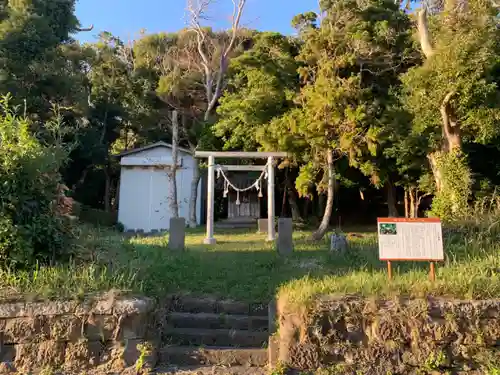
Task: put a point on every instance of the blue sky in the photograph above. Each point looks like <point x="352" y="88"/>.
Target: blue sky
<point x="125" y="18"/>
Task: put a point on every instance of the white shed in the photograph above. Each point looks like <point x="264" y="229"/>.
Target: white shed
<point x="145" y="187"/>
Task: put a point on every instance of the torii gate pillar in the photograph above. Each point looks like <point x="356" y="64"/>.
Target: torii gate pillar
<point x="210" y="240"/>
<point x="271" y="226"/>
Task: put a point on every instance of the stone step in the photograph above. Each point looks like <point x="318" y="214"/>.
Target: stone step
<point x="217" y="321"/>
<point x="211" y="305"/>
<point x="215" y="356"/>
<point x="215" y="337"/>
<point x="236" y="226"/>
<point x="211" y="370"/>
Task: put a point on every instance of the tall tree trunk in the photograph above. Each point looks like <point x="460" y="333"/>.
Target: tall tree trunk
<point x="407" y="208"/>
<point x="292" y="199"/>
<point x="452" y="139"/>
<point x="413" y="203"/>
<point x="391" y="200"/>
<point x="423" y="31"/>
<point x="174" y="204"/>
<point x="436" y="171"/>
<point x="194" y="194"/>
<point x="323" y="227"/>
<point x="417" y="202"/>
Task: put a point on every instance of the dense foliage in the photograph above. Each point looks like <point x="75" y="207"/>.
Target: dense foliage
<point x="32" y="230"/>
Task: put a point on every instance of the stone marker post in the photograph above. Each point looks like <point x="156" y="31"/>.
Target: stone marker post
<point x="338" y="242"/>
<point x="262" y="225"/>
<point x="284" y="240"/>
<point x="177" y="237"/>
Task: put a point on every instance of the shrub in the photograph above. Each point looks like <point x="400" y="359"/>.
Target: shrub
<point x="31" y="228"/>
<point x="98" y="217"/>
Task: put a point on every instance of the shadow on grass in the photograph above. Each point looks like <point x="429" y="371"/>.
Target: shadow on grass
<point x="243" y="266"/>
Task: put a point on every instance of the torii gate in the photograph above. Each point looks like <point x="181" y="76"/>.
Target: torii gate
<point x="211" y="155"/>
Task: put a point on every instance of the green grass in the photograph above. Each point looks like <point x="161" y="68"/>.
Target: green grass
<point x="243" y="266"/>
<point x="471" y="271"/>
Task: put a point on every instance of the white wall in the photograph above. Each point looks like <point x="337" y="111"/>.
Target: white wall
<point x="145" y="192"/>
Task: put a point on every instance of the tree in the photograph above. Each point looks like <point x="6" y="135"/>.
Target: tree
<point x="351" y="62"/>
<point x="118" y="102"/>
<point x="38" y="63"/>
<point x="261" y="85"/>
<point x="215" y="58"/>
<point x="453" y="95"/>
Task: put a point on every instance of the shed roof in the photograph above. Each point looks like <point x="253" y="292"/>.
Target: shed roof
<point x="151" y="146"/>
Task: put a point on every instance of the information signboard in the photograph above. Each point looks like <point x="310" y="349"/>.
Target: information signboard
<point x="410" y="239"/>
<point x="401" y="239"/>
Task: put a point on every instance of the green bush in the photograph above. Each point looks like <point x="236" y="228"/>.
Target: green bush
<point x="31" y="228"/>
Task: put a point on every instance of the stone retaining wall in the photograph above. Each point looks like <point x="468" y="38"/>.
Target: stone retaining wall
<point x="73" y="337"/>
<point x="423" y="336"/>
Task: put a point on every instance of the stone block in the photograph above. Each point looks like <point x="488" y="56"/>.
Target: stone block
<point x="28" y="309"/>
<point x="100" y="327"/>
<point x="34" y="356"/>
<point x="262" y="225"/>
<point x="338" y="242"/>
<point x="132" y="306"/>
<point x="12" y="310"/>
<point x="65" y="328"/>
<point x="24" y="330"/>
<point x="82" y="354"/>
<point x="285" y="241"/>
<point x="102" y="306"/>
<point x="51" y="308"/>
<point x="177" y="237"/>
<point x="132" y="327"/>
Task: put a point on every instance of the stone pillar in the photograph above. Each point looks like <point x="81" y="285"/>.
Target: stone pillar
<point x="271" y="232"/>
<point x="210" y="240"/>
<point x="262" y="225"/>
<point x="177" y="234"/>
<point x="285" y="240"/>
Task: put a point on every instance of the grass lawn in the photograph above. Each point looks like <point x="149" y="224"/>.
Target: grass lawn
<point x="243" y="266"/>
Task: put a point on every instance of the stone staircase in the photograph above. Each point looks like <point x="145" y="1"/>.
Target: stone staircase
<point x="237" y="223"/>
<point x="207" y="332"/>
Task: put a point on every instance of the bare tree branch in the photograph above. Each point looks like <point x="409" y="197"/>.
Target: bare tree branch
<point x="423" y="31"/>
<point x="213" y="85"/>
<point x="85" y="29"/>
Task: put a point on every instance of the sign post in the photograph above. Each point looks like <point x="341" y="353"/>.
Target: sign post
<point x="417" y="239"/>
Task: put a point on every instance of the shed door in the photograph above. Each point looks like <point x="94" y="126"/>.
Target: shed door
<point x="133" y="210"/>
<point x="159" y="200"/>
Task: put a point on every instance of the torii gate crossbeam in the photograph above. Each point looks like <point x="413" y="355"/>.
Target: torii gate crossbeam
<point x="211" y="155"/>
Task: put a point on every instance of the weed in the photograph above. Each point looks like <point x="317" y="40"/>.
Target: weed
<point x="435" y="361"/>
<point x="279" y="369"/>
<point x="144" y="351"/>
